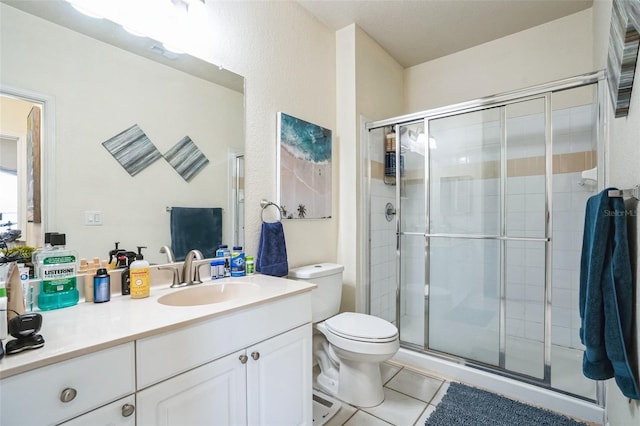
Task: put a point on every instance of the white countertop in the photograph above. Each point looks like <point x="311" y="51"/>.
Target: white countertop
<point x="89" y="327"/>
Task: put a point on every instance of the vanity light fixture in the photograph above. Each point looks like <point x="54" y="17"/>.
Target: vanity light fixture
<point x="172" y="22"/>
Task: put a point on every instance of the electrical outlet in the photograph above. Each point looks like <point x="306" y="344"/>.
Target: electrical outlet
<point x="93" y="218"/>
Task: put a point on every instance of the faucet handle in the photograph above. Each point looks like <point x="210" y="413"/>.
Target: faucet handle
<point x="175" y="282"/>
<point x="197" y="264"/>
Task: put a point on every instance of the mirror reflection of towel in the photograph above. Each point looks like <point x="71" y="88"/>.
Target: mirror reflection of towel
<point x="195" y="228"/>
<point x="272" y="250"/>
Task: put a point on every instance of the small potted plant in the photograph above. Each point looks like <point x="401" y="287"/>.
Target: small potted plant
<point x="19" y="254"/>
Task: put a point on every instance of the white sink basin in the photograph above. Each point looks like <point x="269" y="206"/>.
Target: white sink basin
<point x="208" y="294"/>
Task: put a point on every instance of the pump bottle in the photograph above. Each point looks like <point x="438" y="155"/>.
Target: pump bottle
<point x="139" y="276"/>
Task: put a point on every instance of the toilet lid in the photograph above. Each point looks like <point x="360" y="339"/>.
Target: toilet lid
<point x="366" y="328"/>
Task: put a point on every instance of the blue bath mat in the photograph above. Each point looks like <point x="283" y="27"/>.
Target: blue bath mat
<point x="466" y="406"/>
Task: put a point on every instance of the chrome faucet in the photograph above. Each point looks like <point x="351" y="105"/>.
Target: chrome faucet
<point x="189" y="264"/>
<point x="170" y="257"/>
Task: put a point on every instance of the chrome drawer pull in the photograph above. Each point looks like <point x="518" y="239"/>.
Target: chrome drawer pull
<point x="127" y="410"/>
<point x="68" y="395"/>
<point x="255" y="355"/>
<point x="243" y="358"/>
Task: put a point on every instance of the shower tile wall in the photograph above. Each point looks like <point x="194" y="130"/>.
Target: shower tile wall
<point x="383" y="239"/>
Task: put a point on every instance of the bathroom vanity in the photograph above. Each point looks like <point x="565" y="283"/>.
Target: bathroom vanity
<point x="242" y="360"/>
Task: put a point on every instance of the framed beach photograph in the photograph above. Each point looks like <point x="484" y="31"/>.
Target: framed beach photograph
<point x="304" y="164"/>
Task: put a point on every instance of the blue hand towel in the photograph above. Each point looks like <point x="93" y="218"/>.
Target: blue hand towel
<point x="606" y="289"/>
<point x="272" y="250"/>
<point x="195" y="228"/>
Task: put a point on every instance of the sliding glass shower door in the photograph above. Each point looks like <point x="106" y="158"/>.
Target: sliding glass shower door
<point x="475" y="236"/>
<point x="486" y="240"/>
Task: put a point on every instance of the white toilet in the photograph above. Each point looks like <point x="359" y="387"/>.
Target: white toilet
<point x="348" y="347"/>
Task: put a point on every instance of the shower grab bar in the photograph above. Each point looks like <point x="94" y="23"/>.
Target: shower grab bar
<point x="487" y="237"/>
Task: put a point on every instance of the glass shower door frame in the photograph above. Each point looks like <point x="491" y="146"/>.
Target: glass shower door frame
<point x="502" y="238"/>
<point x="514" y="96"/>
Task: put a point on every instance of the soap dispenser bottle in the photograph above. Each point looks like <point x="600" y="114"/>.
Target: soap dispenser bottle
<point x="139" y="276"/>
<point x="113" y="256"/>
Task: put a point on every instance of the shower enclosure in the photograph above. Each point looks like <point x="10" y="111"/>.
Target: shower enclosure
<point x="476" y="214"/>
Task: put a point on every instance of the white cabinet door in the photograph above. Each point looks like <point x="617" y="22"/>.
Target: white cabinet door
<point x="118" y="413"/>
<point x="279" y="380"/>
<point x="213" y="394"/>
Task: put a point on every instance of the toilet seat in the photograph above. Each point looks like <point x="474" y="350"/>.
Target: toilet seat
<point x="362" y="328"/>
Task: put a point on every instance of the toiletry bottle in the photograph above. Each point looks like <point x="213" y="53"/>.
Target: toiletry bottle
<point x="250" y="270"/>
<point x="217" y="269"/>
<point x="140" y="277"/>
<point x="101" y="286"/>
<point x="221" y="268"/>
<point x="390" y="157"/>
<point x="58" y="268"/>
<point x="237" y="262"/>
<point x="224" y="253"/>
<point x="26" y="288"/>
<point x="125" y="281"/>
<point x="113" y="256"/>
<point x="36" y="256"/>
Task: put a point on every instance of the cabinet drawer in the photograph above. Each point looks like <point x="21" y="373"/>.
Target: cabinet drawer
<point x="167" y="354"/>
<point x="86" y="382"/>
<point x="118" y="413"/>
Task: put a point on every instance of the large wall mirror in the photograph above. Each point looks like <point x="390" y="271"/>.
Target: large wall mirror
<point x="93" y="80"/>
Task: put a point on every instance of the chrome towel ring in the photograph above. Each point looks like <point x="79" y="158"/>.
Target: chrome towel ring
<point x="265" y="204"/>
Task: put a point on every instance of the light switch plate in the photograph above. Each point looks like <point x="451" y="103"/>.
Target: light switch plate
<point x="93" y="218"/>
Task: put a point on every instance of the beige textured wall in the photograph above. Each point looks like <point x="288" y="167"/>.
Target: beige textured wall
<point x="288" y="60"/>
<point x="556" y="50"/>
<point x="369" y="87"/>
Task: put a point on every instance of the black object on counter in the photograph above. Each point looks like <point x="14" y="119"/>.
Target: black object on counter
<point x="25" y="328"/>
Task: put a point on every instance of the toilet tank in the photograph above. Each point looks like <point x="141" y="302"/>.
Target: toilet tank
<point x="325" y="299"/>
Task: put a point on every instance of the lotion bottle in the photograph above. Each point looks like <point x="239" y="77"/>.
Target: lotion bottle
<point x="139" y="277"/>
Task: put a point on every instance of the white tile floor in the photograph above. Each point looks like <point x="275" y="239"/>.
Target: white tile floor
<point x="409" y="399"/>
